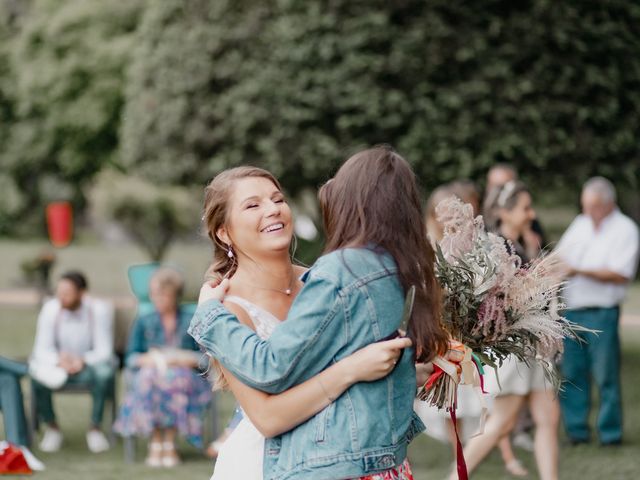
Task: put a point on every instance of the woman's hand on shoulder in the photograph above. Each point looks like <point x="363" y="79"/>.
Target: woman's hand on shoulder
<point x="213" y="291"/>
<point x="376" y="360"/>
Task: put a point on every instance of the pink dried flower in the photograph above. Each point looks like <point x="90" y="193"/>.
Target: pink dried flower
<point x="492" y="321"/>
<point x="508" y="264"/>
<point x="459" y="227"/>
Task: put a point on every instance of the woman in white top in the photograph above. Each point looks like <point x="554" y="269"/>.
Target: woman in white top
<point x="250" y="223"/>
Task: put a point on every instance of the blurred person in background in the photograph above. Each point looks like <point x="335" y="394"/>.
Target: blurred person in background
<point x="166" y="393"/>
<point x="520" y="384"/>
<point x="533" y="237"/>
<point x="465" y="190"/>
<point x="12" y="408"/>
<point x="74" y="338"/>
<point x="601" y="248"/>
<point x="469" y="410"/>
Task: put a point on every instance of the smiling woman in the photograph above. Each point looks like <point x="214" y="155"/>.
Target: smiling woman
<point x="259" y="228"/>
<point x="246" y="215"/>
<point x="248" y="219"/>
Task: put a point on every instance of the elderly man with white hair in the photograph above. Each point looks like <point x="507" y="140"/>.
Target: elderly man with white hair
<point x="601" y="249"/>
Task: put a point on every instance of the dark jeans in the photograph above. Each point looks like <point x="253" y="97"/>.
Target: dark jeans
<point x="11" y="404"/>
<point x="597" y="358"/>
<point x="99" y="376"/>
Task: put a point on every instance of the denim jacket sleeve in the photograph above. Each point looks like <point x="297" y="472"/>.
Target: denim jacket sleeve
<point x="298" y="348"/>
<point x="136" y="344"/>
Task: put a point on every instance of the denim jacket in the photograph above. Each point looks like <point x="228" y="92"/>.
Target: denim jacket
<point x="147" y="332"/>
<point x="351" y="298"/>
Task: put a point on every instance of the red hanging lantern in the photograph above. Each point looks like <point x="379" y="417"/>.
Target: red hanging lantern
<point x="60" y="223"/>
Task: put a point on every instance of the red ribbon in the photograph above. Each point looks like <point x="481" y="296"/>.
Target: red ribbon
<point x="433" y="378"/>
<point x="461" y="465"/>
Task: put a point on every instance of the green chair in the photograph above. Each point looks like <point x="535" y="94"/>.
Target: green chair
<point x="139" y="277"/>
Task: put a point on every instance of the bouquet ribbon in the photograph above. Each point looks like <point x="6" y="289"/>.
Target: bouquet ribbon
<point x="467" y="371"/>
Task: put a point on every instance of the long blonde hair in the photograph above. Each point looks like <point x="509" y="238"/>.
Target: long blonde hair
<point x="215" y="215"/>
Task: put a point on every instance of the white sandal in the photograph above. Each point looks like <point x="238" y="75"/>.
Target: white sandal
<point x="170" y="457"/>
<point x="154" y="457"/>
<point x="515" y="468"/>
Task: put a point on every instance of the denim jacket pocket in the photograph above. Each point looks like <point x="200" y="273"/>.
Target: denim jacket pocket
<point x="321" y="423"/>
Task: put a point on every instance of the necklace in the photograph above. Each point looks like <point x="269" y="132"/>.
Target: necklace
<point x="286" y="291"/>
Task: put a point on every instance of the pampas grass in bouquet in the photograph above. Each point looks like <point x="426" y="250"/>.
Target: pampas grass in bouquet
<point x="493" y="306"/>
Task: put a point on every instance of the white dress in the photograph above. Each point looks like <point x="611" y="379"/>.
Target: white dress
<point x="240" y="456"/>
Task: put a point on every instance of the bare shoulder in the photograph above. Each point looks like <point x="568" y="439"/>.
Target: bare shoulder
<point x="240" y="313"/>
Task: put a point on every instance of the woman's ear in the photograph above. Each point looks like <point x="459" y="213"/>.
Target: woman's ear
<point x="223" y="236"/>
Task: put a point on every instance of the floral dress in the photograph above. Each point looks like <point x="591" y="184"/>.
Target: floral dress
<point x="170" y="397"/>
<point x="401" y="472"/>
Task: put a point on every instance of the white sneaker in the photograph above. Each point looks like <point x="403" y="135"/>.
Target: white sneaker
<point x="34" y="464"/>
<point x="524" y="441"/>
<point x="97" y="442"/>
<point x="51" y="440"/>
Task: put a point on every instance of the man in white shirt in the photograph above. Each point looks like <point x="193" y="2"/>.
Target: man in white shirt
<point x="75" y="334"/>
<point x="601" y="249"/>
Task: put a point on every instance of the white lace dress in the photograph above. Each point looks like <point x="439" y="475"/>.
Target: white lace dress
<point x="241" y="454"/>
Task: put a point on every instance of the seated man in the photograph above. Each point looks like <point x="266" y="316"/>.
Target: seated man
<point x="75" y="333"/>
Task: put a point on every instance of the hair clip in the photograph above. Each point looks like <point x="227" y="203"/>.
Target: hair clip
<point x="505" y="194"/>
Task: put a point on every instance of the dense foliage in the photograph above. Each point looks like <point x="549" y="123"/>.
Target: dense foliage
<point x="152" y="215"/>
<point x="177" y="90"/>
<point x="456" y="86"/>
<point x="64" y="79"/>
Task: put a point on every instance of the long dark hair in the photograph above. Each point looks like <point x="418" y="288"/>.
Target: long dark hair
<point x="503" y="196"/>
<point x="374" y="199"/>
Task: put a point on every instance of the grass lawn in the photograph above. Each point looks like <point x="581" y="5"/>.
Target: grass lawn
<point x="430" y="459"/>
<point x="105" y="265"/>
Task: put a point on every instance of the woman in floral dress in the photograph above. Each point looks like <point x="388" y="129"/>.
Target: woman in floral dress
<point x="166" y="393"/>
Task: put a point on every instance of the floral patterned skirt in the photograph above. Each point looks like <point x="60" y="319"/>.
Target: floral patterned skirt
<point x="401" y="472"/>
<point x="175" y="398"/>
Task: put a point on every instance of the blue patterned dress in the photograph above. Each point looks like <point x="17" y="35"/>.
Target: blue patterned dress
<point x="171" y="397"/>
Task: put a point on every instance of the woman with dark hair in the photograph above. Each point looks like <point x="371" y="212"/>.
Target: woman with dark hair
<point x="352" y="296"/>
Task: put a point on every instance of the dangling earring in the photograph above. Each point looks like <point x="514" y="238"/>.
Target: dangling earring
<point x="230" y="252"/>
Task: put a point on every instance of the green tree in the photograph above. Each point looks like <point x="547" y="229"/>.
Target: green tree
<point x="152" y="215"/>
<point x="66" y="61"/>
<point x="295" y="86"/>
<point x="11" y="200"/>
